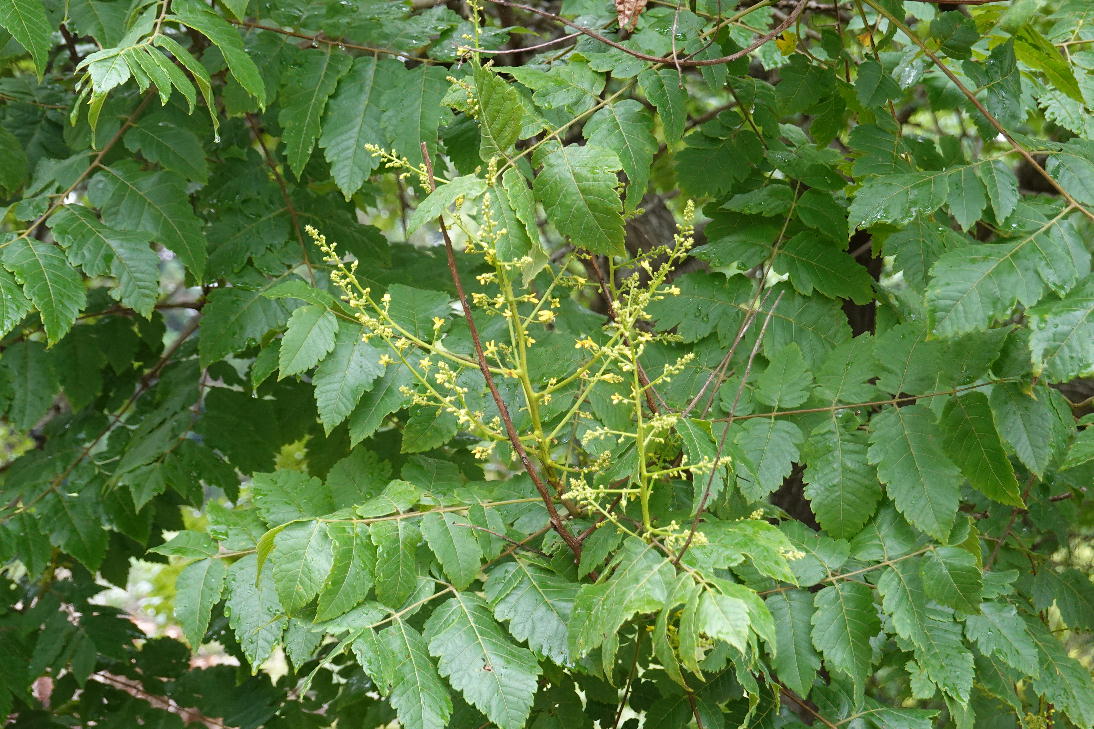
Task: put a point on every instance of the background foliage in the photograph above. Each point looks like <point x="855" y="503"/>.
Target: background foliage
<point x="858" y="497"/>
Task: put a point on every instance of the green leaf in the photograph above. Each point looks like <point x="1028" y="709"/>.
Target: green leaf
<point x="536" y="602"/>
<point x="32" y="380"/>
<point x="577" y="189"/>
<point x="14" y="305"/>
<point x="1001" y="186"/>
<point x="384" y="398"/>
<point x="796" y="660"/>
<point x="700" y="446"/>
<point x="1073" y="167"/>
<point x="452" y="539"/>
<point x="873" y="86"/>
<point x="301" y="560"/>
<point x="906" y="447"/>
<point x="814" y="263"/>
<point x="785" y="382"/>
<point x="350" y="577"/>
<point x="193" y="545"/>
<point x="308" y="339"/>
<point x="937" y="639"/>
<point x="310" y="82"/>
<point x="233" y="318"/>
<point x="198" y="588"/>
<point x="765" y="452"/>
<point x="396" y="570"/>
<point x="495" y="675"/>
<point x="1062" y="340"/>
<point x="344" y="376"/>
<point x="844" y="622"/>
<point x="413" y="110"/>
<point x="626" y="128"/>
<point x="100" y="250"/>
<point x="416" y="691"/>
<point x="49" y="282"/>
<point x="1063" y="681"/>
<point x="952" y="577"/>
<point x="998" y="631"/>
<point x="955" y="34"/>
<point x="841" y="486"/>
<point x="970" y="439"/>
<point x="253" y="611"/>
<point x="637" y="579"/>
<point x="1024" y="420"/>
<point x="284" y="496"/>
<point x="1035" y="51"/>
<point x="898" y="198"/>
<point x="500" y="114"/>
<point x="430" y="209"/>
<point x="665" y="91"/>
<point x="153" y="202"/>
<point x="353" y="120"/>
<point x="27" y="22"/>
<point x="973" y="286"/>
<point x="14" y="171"/>
<point x="967" y="197"/>
<point x="226" y="39"/>
<point x="159" y="139"/>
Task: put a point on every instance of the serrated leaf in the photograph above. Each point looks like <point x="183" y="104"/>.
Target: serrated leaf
<point x="841" y="486"/>
<point x="158" y="139"/>
<point x="1001" y="186"/>
<point x="233" y="318"/>
<point x="26" y="21"/>
<point x="936" y="637"/>
<point x="301" y="560"/>
<point x="814" y="263"/>
<point x="638" y="578"/>
<point x="796" y="660"/>
<point x="1062" y="339"/>
<point x="14" y="305"/>
<point x="345" y="375"/>
<point x="413" y="109"/>
<point x="226" y="39"/>
<point x="1023" y="421"/>
<point x="451" y="538"/>
<point x="1063" y="680"/>
<point x="700" y="446"/>
<point x="350" y="577"/>
<point x="971" y="441"/>
<point x="396" y="570"/>
<point x="194" y="545"/>
<point x="666" y="91"/>
<point x="500" y="114"/>
<point x="785" y="382"/>
<point x="284" y="496"/>
<point x="304" y="99"/>
<point x="353" y="120"/>
<point x="898" y="198"/>
<point x="153" y="202"/>
<point x="536" y="602"/>
<point x="308" y="339"/>
<point x="874" y="87"/>
<point x="626" y="128"/>
<point x="253" y="611"/>
<point x="414" y="688"/>
<point x="577" y="189"/>
<point x="998" y="631"/>
<point x="906" y="447"/>
<point x="765" y="452"/>
<point x="495" y="675"/>
<point x="100" y="250"/>
<point x="844" y="622"/>
<point x="952" y="577"/>
<point x="966" y="197"/>
<point x="430" y="209"/>
<point x="198" y="587"/>
<point x="49" y="282"/>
